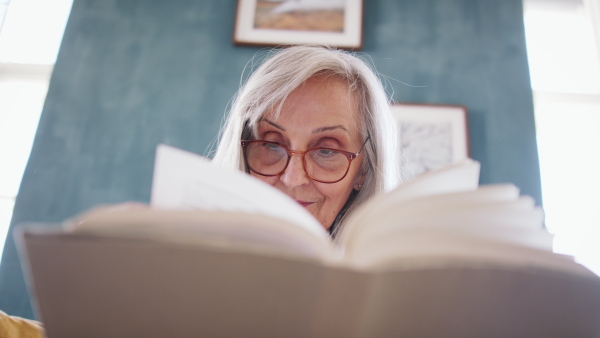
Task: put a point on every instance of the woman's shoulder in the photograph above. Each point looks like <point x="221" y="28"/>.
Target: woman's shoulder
<point x="11" y="326"/>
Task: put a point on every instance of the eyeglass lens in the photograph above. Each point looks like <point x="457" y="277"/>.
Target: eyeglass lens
<point x="321" y="164"/>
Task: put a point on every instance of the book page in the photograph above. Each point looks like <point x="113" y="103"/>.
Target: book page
<point x="184" y="180"/>
<point x="214" y="229"/>
<point x="418" y="248"/>
<point x="445" y="213"/>
<point x="494" y="212"/>
<point x="457" y="177"/>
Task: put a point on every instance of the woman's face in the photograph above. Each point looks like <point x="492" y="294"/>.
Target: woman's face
<point x="320" y="113"/>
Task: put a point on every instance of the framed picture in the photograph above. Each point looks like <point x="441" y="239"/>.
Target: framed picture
<point x="336" y="23"/>
<point x="431" y="136"/>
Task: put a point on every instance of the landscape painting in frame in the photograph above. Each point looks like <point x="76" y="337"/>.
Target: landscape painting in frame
<point x="431" y="136"/>
<point x="336" y="23"/>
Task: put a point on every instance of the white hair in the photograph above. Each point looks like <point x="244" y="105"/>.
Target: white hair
<point x="285" y="70"/>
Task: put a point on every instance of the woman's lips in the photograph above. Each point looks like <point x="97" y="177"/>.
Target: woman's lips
<point x="304" y="203"/>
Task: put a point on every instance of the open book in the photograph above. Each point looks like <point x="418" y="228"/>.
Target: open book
<point x="221" y="253"/>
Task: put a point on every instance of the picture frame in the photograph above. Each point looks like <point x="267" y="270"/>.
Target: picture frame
<point x="336" y="23"/>
<point x="431" y="135"/>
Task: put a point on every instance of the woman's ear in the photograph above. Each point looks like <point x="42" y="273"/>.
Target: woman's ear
<point x="360" y="181"/>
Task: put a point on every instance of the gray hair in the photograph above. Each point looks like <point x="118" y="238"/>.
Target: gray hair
<point x="285" y="70"/>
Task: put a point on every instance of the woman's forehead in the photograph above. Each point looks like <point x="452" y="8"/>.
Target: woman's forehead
<point x="319" y="99"/>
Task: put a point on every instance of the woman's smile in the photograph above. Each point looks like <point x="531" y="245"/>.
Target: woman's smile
<point x="304" y="203"/>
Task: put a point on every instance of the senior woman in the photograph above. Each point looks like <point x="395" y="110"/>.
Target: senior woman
<point x="315" y="123"/>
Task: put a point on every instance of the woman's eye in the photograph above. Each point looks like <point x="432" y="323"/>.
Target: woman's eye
<point x="271" y="146"/>
<point x="327" y="152"/>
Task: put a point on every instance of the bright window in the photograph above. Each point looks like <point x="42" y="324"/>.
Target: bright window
<point x="30" y="35"/>
<point x="565" y="76"/>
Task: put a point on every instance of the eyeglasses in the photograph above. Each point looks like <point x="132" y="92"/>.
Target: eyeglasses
<point x="325" y="165"/>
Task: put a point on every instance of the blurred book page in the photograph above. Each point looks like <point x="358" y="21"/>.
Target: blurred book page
<point x="184" y="180"/>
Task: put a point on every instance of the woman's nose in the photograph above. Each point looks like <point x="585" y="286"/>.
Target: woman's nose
<point x="295" y="175"/>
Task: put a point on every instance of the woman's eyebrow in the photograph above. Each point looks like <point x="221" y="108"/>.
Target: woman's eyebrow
<point x="322" y="129"/>
<point x="315" y="131"/>
<point x="273" y="124"/>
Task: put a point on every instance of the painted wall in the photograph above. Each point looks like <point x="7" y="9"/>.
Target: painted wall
<point x="134" y="73"/>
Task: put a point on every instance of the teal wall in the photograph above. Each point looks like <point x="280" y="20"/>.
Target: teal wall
<point x="133" y="73"/>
